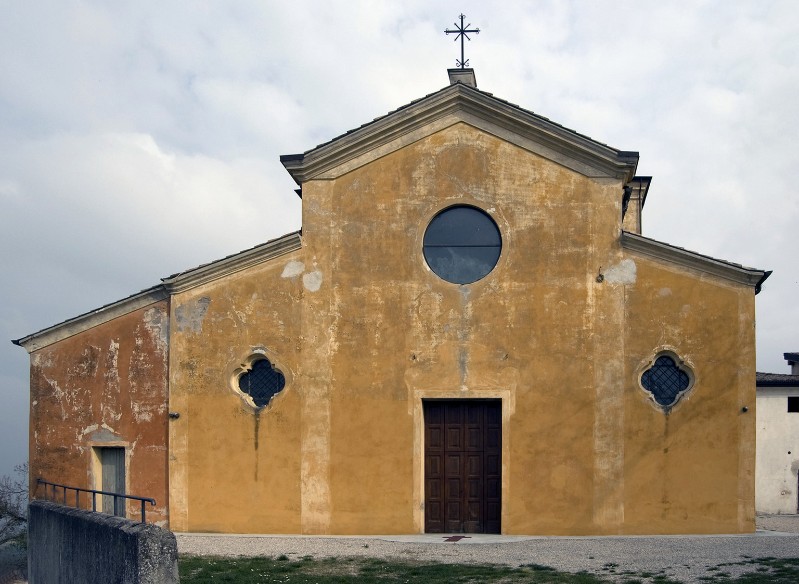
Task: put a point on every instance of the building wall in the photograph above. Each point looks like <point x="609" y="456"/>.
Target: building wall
<point x="559" y="331"/>
<point x="693" y="469"/>
<point x="777" y="452"/>
<point x="415" y="336"/>
<point x="104" y="387"/>
<point x="235" y="468"/>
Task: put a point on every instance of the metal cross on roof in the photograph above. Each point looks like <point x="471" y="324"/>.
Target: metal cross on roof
<point x="461" y="32"/>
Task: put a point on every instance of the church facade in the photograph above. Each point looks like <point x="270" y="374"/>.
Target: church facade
<point x="469" y="334"/>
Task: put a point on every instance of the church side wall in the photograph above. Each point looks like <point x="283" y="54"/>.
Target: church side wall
<point x="234" y="467"/>
<point x="690" y="470"/>
<point x="105" y="387"/>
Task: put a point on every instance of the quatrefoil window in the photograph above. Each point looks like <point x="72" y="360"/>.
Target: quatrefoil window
<point x="262" y="382"/>
<point x="667" y="380"/>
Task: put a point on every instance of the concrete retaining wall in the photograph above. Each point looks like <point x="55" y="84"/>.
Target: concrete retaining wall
<point x="67" y="545"/>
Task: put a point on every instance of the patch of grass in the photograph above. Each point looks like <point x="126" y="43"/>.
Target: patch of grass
<point x="769" y="570"/>
<point x="539" y="567"/>
<point x="205" y="570"/>
<point x="766" y="571"/>
<point x="307" y="570"/>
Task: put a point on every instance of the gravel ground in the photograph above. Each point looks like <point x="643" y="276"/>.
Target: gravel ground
<point x="683" y="558"/>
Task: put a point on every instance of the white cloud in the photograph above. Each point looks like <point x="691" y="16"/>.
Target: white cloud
<point x="128" y="129"/>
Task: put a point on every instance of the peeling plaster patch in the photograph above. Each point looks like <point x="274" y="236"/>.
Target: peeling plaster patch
<point x="112" y="384"/>
<point x="664" y="292"/>
<point x="112" y="361"/>
<point x="189" y="317"/>
<point x="156" y="322"/>
<point x="87" y="365"/>
<point x="43" y="360"/>
<point x="622" y="273"/>
<point x="58" y="395"/>
<point x="141" y="413"/>
<point x="89" y="429"/>
<point x="293" y="269"/>
<point x="312" y="281"/>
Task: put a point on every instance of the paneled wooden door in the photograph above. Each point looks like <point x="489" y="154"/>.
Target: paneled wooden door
<point x="462" y="466"/>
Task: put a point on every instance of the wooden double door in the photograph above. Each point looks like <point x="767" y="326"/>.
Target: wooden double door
<point x="462" y="466"/>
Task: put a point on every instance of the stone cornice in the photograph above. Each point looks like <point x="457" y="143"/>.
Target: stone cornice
<point x="689" y="259"/>
<point x="460" y="103"/>
<point x="169" y="286"/>
<point x="231" y="264"/>
<point x="78" y="324"/>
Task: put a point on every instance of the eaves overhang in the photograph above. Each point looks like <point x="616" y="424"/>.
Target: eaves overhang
<point x="461" y="103"/>
<point x="206" y="273"/>
<point x="696" y="261"/>
<point x="87" y="320"/>
<point x="174" y="284"/>
<point x="777" y="380"/>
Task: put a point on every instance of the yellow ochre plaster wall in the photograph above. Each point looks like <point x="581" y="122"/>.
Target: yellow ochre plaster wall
<point x="233" y="467"/>
<point x="364" y="331"/>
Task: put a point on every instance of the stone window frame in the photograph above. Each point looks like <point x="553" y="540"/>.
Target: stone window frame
<point x="246" y="364"/>
<point x="682" y="363"/>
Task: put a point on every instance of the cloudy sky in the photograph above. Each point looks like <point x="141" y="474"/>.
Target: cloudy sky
<point x="141" y="138"/>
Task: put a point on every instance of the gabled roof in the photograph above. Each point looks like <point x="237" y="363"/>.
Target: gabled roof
<point x="697" y="261"/>
<point x="461" y="103"/>
<point x="171" y="285"/>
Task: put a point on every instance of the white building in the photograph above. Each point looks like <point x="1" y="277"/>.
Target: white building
<point x="777" y="467"/>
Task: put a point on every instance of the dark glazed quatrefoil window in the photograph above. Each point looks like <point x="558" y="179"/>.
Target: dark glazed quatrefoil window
<point x="262" y="382"/>
<point x="665" y="381"/>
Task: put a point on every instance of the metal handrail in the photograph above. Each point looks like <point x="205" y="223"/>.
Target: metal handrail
<point x="94" y="492"/>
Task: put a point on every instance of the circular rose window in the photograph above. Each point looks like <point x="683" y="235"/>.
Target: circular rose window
<point x="462" y="244"/>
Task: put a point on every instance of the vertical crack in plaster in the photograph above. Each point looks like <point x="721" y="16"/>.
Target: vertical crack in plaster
<point x="256" y="428"/>
<point x="464" y="335"/>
